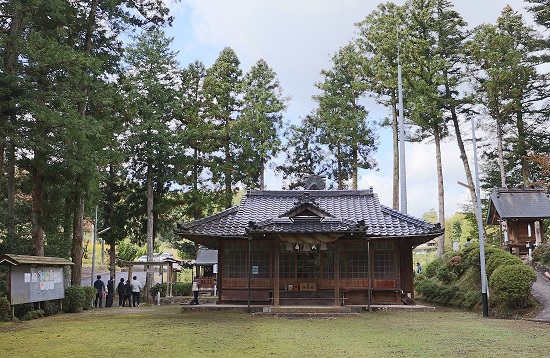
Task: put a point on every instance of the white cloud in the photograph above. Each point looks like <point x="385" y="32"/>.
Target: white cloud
<point x="297" y="38"/>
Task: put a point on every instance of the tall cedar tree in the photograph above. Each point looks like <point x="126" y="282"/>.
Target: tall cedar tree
<point x="195" y="133"/>
<point x="505" y="62"/>
<point x="424" y="64"/>
<point x="150" y="92"/>
<point x="377" y="44"/>
<point x="222" y="87"/>
<point x="304" y="156"/>
<point x="341" y="120"/>
<point x="260" y="121"/>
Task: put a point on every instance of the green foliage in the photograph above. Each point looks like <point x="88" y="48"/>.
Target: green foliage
<point x="21" y="310"/>
<point x="433" y="291"/>
<point x="541" y="254"/>
<point x="89" y="296"/>
<point x="50" y="308"/>
<point x="74" y="299"/>
<point x="34" y="314"/>
<point x="178" y="289"/>
<point x="5" y="309"/>
<point x="511" y="285"/>
<point x="454" y="279"/>
<point x="495" y="258"/>
<point x="127" y="251"/>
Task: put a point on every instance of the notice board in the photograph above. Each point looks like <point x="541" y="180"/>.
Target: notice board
<point x="36" y="283"/>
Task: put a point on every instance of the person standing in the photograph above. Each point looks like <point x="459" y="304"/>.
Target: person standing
<point x="136" y="291"/>
<point x="127" y="293"/>
<point x="110" y="293"/>
<point x="100" y="287"/>
<point x="418" y="267"/>
<point x="195" y="289"/>
<point x="120" y="291"/>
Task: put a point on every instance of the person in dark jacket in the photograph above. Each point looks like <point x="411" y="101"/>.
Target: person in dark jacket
<point x="120" y="291"/>
<point x="100" y="287"/>
<point x="127" y="294"/>
<point x="110" y="293"/>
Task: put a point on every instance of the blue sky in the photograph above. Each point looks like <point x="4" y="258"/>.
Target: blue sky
<point x="297" y="39"/>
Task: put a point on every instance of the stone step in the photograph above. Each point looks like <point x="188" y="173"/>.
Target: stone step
<point x="306" y="309"/>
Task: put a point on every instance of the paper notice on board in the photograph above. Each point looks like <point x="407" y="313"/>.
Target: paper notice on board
<point x="27" y="277"/>
<point x="34" y="277"/>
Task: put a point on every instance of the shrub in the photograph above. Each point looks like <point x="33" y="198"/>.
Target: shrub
<point x="182" y="289"/>
<point x="178" y="289"/>
<point x="430" y="270"/>
<point x="5" y="309"/>
<point x="433" y="291"/>
<point x="495" y="258"/>
<point x="22" y="309"/>
<point x="155" y="289"/>
<point x="511" y="285"/>
<point x="446" y="274"/>
<point x="472" y="299"/>
<point x="34" y="314"/>
<point x="542" y="254"/>
<point x="89" y="293"/>
<point x="50" y="308"/>
<point x="74" y="299"/>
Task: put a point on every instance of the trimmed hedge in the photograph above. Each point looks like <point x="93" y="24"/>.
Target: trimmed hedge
<point x="178" y="289"/>
<point x="512" y="285"/>
<point x="5" y="309"/>
<point x="89" y="293"/>
<point x="74" y="299"/>
<point x="454" y="279"/>
<point x="542" y="254"/>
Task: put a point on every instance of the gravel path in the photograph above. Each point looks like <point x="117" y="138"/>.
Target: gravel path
<point x="541" y="291"/>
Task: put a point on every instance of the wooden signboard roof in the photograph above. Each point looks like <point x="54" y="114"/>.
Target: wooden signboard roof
<point x="15" y="260"/>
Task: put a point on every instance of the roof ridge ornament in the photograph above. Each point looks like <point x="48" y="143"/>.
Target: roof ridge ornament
<point x="305" y="198"/>
<point x="315" y="182"/>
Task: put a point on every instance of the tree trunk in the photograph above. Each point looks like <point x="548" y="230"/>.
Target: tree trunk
<point x="395" y="139"/>
<point x="262" y="173"/>
<point x="110" y="220"/>
<point x="463" y="156"/>
<point x="440" y="191"/>
<point x="78" y="233"/>
<point x="355" y="170"/>
<point x="522" y="149"/>
<point x="37" y="231"/>
<point x="227" y="175"/>
<point x="150" y="247"/>
<point x="11" y="55"/>
<point x="11" y="193"/>
<point x="500" y="155"/>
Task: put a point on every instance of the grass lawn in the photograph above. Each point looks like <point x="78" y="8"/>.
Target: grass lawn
<point x="167" y="332"/>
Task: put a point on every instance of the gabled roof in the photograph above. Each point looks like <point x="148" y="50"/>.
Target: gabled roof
<point x="340" y="213"/>
<point x="206" y="257"/>
<point x="518" y="203"/>
<point x="33" y="260"/>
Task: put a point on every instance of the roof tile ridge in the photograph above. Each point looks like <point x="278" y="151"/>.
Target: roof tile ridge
<point x="211" y="218"/>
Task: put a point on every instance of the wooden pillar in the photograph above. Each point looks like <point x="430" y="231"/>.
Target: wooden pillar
<point x="277" y="269"/>
<point x="219" y="275"/>
<point x="130" y="270"/>
<point x="336" y="273"/>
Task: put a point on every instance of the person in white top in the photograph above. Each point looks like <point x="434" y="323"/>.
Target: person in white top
<point x="136" y="291"/>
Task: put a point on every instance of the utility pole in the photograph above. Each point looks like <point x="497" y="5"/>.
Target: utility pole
<point x="402" y="167"/>
<point x="480" y="231"/>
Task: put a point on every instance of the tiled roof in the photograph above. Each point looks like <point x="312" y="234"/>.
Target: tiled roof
<point x="206" y="257"/>
<point x="323" y="211"/>
<point x="519" y="203"/>
<point x="33" y="260"/>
